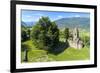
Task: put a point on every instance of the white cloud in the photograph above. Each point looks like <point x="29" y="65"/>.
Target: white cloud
<point x="73" y="16"/>
<point x="37" y="18"/>
<point x="60" y="16"/>
<point x="77" y="16"/>
<point x="38" y="14"/>
<point x="28" y="16"/>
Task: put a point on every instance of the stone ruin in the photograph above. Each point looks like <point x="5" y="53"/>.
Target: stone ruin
<point x="75" y="40"/>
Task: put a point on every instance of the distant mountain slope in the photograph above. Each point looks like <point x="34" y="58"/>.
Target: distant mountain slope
<point x="23" y="25"/>
<point x="74" y="22"/>
<point x="27" y="24"/>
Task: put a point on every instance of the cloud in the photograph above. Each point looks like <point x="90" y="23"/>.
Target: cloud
<point x="70" y="16"/>
<point x="31" y="17"/>
<point x="37" y="18"/>
<point x="37" y="14"/>
<point x="28" y="16"/>
<point x="60" y="16"/>
<point x="77" y="16"/>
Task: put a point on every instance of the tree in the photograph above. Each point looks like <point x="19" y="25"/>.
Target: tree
<point x="28" y="33"/>
<point x="86" y="40"/>
<point x="66" y="33"/>
<point x="45" y="34"/>
<point x="23" y="35"/>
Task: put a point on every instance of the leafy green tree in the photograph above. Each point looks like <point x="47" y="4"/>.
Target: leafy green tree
<point x="28" y="33"/>
<point x="23" y="35"/>
<point x="86" y="40"/>
<point x="45" y="34"/>
<point x="66" y="33"/>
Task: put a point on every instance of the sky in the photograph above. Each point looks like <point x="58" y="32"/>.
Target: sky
<point x="33" y="15"/>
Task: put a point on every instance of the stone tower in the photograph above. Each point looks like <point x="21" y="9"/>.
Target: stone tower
<point x="76" y="42"/>
<point x="75" y="34"/>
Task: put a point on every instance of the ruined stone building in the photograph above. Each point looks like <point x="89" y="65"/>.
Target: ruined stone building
<point x="75" y="40"/>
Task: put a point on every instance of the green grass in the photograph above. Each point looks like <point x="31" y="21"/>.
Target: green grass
<point x="34" y="55"/>
<point x="69" y="54"/>
<point x="37" y="56"/>
<point x="72" y="54"/>
<point x="30" y="44"/>
<point x="84" y="33"/>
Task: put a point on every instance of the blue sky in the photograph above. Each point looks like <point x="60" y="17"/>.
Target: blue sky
<point x="33" y="16"/>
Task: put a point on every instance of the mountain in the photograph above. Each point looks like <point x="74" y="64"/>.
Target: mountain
<point x="81" y="22"/>
<point x="27" y="24"/>
<point x="73" y="22"/>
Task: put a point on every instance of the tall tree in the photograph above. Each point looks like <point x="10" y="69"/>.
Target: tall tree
<point x="66" y="33"/>
<point x="23" y="35"/>
<point x="45" y="34"/>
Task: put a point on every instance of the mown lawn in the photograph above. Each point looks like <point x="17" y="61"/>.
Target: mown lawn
<point x="36" y="55"/>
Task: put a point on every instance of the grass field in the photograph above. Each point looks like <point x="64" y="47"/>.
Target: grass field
<point x="37" y="55"/>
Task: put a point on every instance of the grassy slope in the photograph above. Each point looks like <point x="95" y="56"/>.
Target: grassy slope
<point x="72" y="54"/>
<point x="36" y="55"/>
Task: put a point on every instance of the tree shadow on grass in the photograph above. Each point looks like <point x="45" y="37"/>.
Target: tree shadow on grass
<point x="61" y="46"/>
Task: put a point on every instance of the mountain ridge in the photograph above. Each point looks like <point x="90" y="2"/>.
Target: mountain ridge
<point x="80" y="22"/>
<point x="72" y="22"/>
